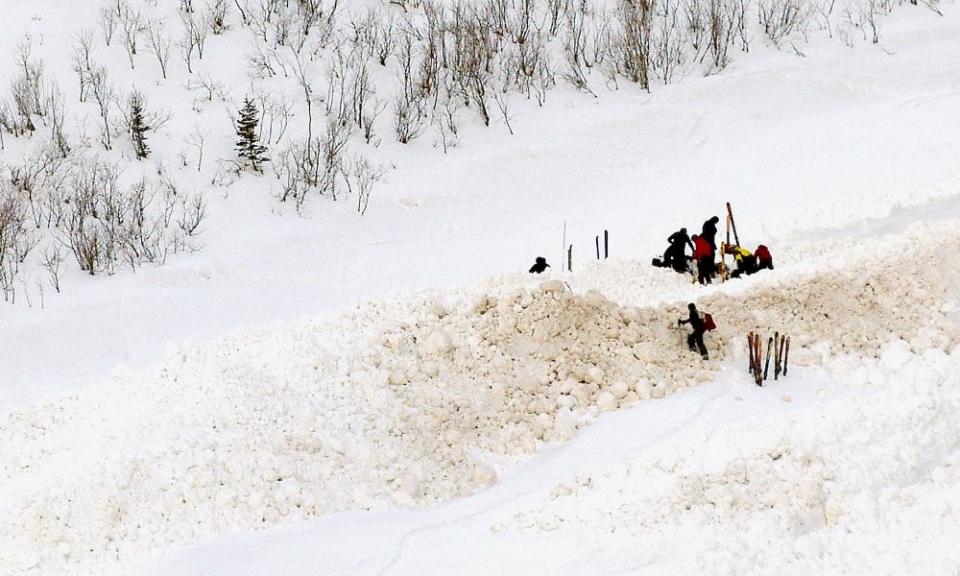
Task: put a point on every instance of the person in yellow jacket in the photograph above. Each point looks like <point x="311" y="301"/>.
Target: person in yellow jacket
<point x="745" y="261"/>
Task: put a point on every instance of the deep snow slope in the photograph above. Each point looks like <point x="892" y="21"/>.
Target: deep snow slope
<point x="823" y="473"/>
<point x="390" y="394"/>
<point x="795" y="143"/>
<point x="431" y="398"/>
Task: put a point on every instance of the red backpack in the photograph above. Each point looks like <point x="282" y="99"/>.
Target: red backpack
<point x="708" y="323"/>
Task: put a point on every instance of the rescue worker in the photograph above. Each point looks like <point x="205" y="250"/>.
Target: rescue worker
<point x="676" y="255"/>
<point x="703" y="255"/>
<point x="764" y="258"/>
<point x="709" y="232"/>
<point x="695" y="338"/>
<point x="745" y="261"/>
<point x="539" y="266"/>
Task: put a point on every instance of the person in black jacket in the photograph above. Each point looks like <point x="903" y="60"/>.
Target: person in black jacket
<point x="676" y="256"/>
<point x="710" y="232"/>
<point x="539" y="265"/>
<point x="696" y="337"/>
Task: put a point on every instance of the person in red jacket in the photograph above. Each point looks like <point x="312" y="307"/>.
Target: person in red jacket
<point x="703" y="254"/>
<point x="764" y="259"/>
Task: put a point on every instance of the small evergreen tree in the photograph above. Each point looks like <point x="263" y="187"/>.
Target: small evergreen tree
<point x="249" y="147"/>
<point x="138" y="126"/>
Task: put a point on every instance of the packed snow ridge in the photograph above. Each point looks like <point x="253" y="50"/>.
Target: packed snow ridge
<point x="405" y="403"/>
<point x="864" y="483"/>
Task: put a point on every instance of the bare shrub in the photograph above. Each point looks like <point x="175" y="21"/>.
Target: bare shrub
<point x="159" y="43"/>
<point x="633" y="39"/>
<point x="780" y="18"/>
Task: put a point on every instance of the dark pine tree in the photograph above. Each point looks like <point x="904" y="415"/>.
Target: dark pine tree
<point x="138" y="126"/>
<point x="249" y="148"/>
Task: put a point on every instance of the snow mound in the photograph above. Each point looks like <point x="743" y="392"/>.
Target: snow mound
<point x="819" y="491"/>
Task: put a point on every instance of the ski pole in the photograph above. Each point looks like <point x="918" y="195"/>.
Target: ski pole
<point x="733" y="224"/>
<point x="786" y="355"/>
<point x="758" y="347"/>
<point x="606" y="244"/>
<point x="776" y="355"/>
<point x="766" y="366"/>
<point x="781" y="365"/>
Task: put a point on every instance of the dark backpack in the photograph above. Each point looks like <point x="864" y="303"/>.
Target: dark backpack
<point x="708" y="323"/>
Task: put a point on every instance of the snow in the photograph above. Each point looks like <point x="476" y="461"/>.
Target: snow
<point x="394" y="404"/>
<point x="386" y="395"/>
<point x="724" y="478"/>
<point x="626" y="162"/>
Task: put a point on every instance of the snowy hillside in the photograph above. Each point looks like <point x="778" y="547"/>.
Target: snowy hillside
<point x="334" y="361"/>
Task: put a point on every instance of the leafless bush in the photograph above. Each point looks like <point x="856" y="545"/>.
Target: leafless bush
<point x="107" y="226"/>
<point x="409" y="114"/>
<point x="502" y="98"/>
<point x="865" y="16"/>
<point x="104" y="95"/>
<point x="668" y="45"/>
<point x="723" y="18"/>
<point x="780" y="18"/>
<point x="16" y="237"/>
<point x="159" y="43"/>
<point x="216" y="16"/>
<point x="275" y="115"/>
<point x="198" y="139"/>
<point x="445" y="121"/>
<point x="56" y="116"/>
<point x="52" y="262"/>
<point x="384" y="38"/>
<point x="132" y="24"/>
<point x="28" y="86"/>
<point x="473" y="64"/>
<point x="108" y="18"/>
<point x="192" y="39"/>
<point x="313" y="166"/>
<point x="82" y="57"/>
<point x="360" y="177"/>
<point x="193" y="210"/>
<point x="209" y="86"/>
<point x="266" y="63"/>
<point x="633" y="39"/>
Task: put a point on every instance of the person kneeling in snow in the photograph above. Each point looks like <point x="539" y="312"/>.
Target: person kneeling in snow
<point x="539" y="266"/>
<point x="676" y="255"/>
<point x="764" y="258"/>
<point x="748" y="263"/>
<point x="745" y="261"/>
<point x="699" y="326"/>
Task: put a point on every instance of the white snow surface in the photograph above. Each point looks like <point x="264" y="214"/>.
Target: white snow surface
<point x="419" y="401"/>
<point x="336" y="394"/>
<point x="795" y="143"/>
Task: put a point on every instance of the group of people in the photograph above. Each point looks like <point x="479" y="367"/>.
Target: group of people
<point x="703" y="263"/>
<point x="703" y="247"/>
